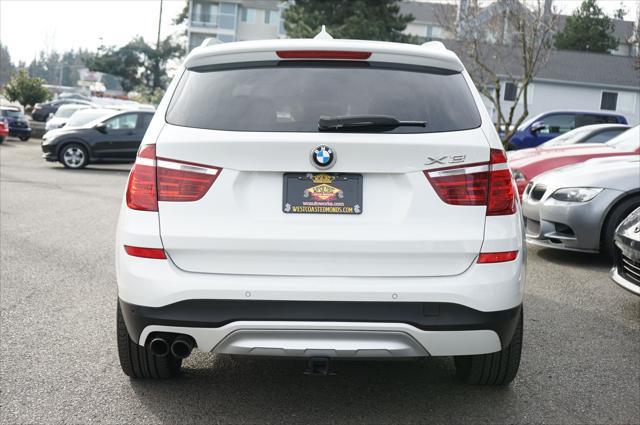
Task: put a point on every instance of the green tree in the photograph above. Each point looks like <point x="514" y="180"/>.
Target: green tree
<point x="355" y="19"/>
<point x="6" y="66"/>
<point x="183" y="15"/>
<point x="26" y="90"/>
<point x="589" y="29"/>
<point x="125" y="62"/>
<point x="137" y="63"/>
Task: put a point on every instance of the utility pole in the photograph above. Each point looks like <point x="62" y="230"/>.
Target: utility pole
<point x="159" y="24"/>
<point x="156" y="75"/>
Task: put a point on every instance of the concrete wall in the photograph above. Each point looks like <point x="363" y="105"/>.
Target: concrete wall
<point x="546" y="96"/>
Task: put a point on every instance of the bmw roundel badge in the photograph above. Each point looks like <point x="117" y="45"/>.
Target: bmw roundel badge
<point x="323" y="157"/>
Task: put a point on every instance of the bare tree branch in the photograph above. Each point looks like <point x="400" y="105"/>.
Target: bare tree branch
<point x="503" y="42"/>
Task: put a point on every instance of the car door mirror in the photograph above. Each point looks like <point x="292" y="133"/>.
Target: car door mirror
<point x="537" y="126"/>
<point x="101" y="127"/>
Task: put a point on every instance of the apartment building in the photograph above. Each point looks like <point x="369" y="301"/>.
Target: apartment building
<point x="234" y="20"/>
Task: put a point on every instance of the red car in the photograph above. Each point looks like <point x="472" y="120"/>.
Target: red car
<point x="527" y="163"/>
<point x="4" y="129"/>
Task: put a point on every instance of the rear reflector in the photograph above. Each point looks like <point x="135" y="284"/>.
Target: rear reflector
<point x="162" y="179"/>
<point x="487" y="184"/>
<point x="497" y="257"/>
<point x="136" y="251"/>
<point x="322" y="54"/>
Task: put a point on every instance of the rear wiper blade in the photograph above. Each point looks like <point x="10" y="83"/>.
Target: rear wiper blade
<point x="364" y="121"/>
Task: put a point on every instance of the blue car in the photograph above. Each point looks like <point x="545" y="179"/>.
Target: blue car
<point x="546" y="126"/>
<point x="18" y="124"/>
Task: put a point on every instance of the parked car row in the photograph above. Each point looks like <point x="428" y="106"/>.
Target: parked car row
<point x="96" y="135"/>
<point x="575" y="197"/>
<point x="528" y="163"/>
<point x="62" y="115"/>
<point x="546" y="126"/>
<point x="42" y="111"/>
<point x="15" y="122"/>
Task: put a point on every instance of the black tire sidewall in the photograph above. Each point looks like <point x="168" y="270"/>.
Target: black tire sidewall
<point x="618" y="213"/>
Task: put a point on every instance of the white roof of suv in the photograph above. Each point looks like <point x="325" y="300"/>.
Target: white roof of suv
<point x="429" y="54"/>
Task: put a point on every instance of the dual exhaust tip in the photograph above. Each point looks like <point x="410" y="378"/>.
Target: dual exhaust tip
<point x="179" y="348"/>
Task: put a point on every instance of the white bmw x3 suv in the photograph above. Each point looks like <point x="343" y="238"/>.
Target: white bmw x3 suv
<point x="321" y="199"/>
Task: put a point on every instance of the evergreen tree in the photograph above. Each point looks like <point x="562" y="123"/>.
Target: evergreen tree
<point x="355" y="19"/>
<point x="137" y="63"/>
<point x="588" y="29"/>
<point x="6" y="67"/>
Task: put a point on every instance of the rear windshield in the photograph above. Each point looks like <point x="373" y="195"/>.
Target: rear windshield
<point x="293" y="96"/>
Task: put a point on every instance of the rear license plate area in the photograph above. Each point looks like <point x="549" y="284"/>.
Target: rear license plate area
<point x="322" y="193"/>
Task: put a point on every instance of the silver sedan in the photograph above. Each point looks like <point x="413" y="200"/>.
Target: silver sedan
<point x="578" y="207"/>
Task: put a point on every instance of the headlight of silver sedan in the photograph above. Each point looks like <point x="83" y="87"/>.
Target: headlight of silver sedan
<point x="576" y="194"/>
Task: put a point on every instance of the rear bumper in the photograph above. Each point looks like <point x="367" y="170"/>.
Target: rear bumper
<point x="328" y="328"/>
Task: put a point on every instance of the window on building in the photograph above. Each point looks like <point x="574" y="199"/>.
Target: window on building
<point x="433" y="31"/>
<point x="195" y="40"/>
<point x="204" y="14"/>
<point x="510" y="91"/>
<point x="609" y="100"/>
<point x="248" y="15"/>
<point x="225" y="38"/>
<point x="271" y="17"/>
<point x="227" y="16"/>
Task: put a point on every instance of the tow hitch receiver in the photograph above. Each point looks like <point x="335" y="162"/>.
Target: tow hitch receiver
<point x="318" y="366"/>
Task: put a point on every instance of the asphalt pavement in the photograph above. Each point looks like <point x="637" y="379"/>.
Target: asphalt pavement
<point x="58" y="359"/>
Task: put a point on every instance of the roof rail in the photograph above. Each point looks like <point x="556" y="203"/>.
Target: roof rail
<point x="438" y="45"/>
<point x="210" y="41"/>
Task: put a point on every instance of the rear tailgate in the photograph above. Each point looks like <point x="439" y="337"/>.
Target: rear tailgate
<point x="239" y="226"/>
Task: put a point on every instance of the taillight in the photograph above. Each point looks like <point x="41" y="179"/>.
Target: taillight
<point x="322" y="54"/>
<point x="487" y="184"/>
<point x="180" y="181"/>
<point x="141" y="190"/>
<point x="162" y="179"/>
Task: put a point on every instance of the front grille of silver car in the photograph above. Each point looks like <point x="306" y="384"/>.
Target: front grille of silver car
<point x="630" y="269"/>
<point x="537" y="192"/>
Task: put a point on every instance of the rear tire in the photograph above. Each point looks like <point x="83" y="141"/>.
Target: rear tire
<point x="614" y="218"/>
<point x="495" y="368"/>
<point x="24" y="138"/>
<point x="138" y="361"/>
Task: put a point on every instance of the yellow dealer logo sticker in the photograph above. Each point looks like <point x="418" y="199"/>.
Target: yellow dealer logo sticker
<point x="323" y="192"/>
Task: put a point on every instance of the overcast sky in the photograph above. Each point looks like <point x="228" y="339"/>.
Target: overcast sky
<point x="28" y="26"/>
